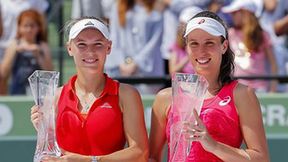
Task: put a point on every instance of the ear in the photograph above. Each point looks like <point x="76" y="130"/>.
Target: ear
<point x="225" y="45"/>
<point x="109" y="47"/>
<point x="68" y="47"/>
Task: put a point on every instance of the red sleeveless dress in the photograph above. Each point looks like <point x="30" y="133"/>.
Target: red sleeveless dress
<point x="101" y="132"/>
<point x="221" y="119"/>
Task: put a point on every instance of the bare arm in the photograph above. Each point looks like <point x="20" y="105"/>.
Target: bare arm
<point x="157" y="136"/>
<point x="134" y="126"/>
<point x="252" y="129"/>
<point x="274" y="68"/>
<point x="8" y="60"/>
<point x="280" y="26"/>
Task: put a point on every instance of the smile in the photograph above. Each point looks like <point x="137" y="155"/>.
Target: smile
<point x="90" y="60"/>
<point x="203" y="61"/>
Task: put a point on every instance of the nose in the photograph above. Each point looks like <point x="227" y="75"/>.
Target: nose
<point x="91" y="50"/>
<point x="202" y="49"/>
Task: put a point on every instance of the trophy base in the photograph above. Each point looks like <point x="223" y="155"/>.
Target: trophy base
<point x="45" y="155"/>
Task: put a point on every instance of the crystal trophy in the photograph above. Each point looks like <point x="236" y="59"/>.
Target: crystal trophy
<point x="188" y="92"/>
<point x="43" y="85"/>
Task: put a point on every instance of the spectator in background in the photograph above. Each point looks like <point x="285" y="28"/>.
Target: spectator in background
<point x="10" y="9"/>
<point x="96" y="8"/>
<point x="82" y="8"/>
<point x="107" y="8"/>
<point x="178" y="60"/>
<point x="27" y="53"/>
<point x="251" y="45"/>
<point x="273" y="11"/>
<point x="136" y="32"/>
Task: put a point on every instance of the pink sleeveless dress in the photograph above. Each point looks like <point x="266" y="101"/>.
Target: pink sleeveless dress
<point x="221" y="120"/>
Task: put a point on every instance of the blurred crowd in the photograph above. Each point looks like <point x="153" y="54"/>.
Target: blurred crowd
<point x="147" y="38"/>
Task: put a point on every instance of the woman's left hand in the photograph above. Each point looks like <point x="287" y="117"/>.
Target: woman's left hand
<point x="197" y="132"/>
<point x="67" y="157"/>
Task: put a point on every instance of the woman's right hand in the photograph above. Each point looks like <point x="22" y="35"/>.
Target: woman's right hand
<point x="36" y="116"/>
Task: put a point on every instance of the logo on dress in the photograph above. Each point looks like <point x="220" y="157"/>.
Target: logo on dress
<point x="89" y="23"/>
<point x="225" y="101"/>
<point x="201" y="21"/>
<point x="106" y="105"/>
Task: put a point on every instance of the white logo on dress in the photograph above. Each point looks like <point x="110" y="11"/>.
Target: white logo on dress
<point x="106" y="105"/>
<point x="225" y="101"/>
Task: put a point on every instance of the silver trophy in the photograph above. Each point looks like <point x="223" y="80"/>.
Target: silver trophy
<point x="43" y="86"/>
<point x="188" y="92"/>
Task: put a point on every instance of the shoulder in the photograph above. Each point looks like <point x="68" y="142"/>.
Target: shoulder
<point x="245" y="98"/>
<point x="242" y="91"/>
<point x="162" y="102"/>
<point x="126" y="90"/>
<point x="164" y="95"/>
<point x="128" y="96"/>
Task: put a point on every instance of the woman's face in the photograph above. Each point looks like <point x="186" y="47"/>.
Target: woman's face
<point x="89" y="49"/>
<point x="205" y="51"/>
<point x="28" y="28"/>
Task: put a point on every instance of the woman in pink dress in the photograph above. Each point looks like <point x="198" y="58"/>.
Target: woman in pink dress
<point x="252" y="47"/>
<point x="230" y="113"/>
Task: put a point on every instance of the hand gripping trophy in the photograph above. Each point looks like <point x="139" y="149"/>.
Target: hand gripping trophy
<point x="188" y="92"/>
<point x="43" y="85"/>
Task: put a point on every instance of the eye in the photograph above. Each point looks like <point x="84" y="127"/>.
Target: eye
<point x="193" y="44"/>
<point x="81" y="45"/>
<point x="98" y="44"/>
<point x="210" y="43"/>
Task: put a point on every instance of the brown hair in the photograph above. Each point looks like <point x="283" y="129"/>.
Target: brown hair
<point x="252" y="32"/>
<point x="40" y="21"/>
<point x="126" y="5"/>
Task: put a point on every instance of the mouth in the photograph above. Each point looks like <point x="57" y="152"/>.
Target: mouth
<point x="203" y="61"/>
<point x="89" y="60"/>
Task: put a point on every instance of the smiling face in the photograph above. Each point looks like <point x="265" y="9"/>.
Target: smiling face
<point x="205" y="52"/>
<point x="89" y="50"/>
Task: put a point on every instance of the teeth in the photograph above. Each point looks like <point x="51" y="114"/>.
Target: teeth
<point x="203" y="61"/>
<point x="90" y="60"/>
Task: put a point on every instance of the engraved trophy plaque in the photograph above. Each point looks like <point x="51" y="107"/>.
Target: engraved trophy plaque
<point x="43" y="86"/>
<point x="188" y="92"/>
